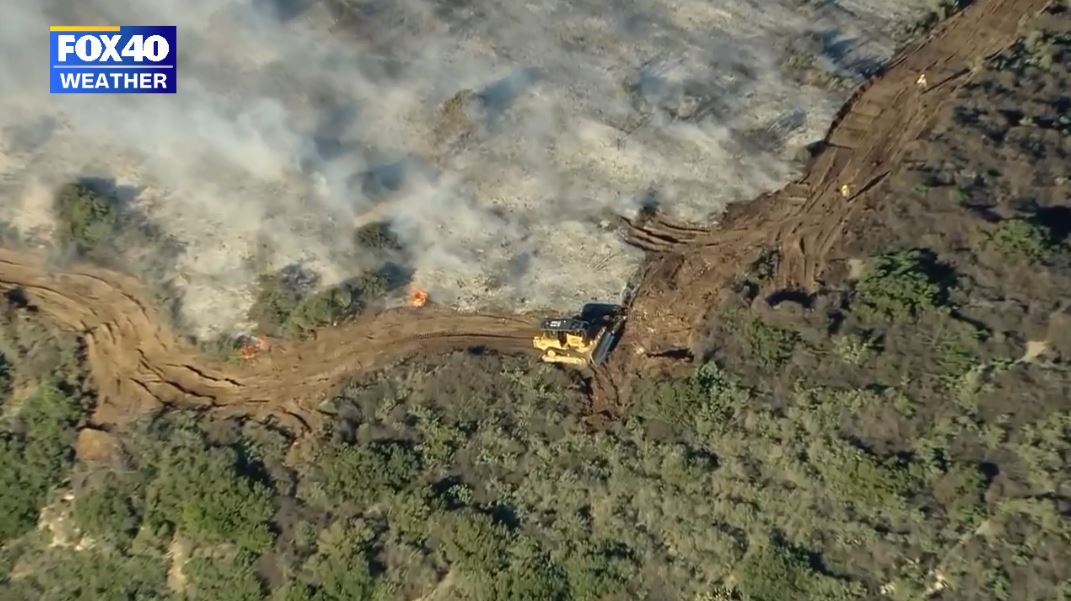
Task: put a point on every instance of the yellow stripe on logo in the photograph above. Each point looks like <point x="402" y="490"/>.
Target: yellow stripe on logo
<point x="84" y="28"/>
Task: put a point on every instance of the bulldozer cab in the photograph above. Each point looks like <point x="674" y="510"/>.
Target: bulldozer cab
<point x="562" y="327"/>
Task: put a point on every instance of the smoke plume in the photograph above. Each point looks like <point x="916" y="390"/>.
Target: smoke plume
<point x="498" y="138"/>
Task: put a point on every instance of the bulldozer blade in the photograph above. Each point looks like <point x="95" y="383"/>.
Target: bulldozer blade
<point x="606" y="344"/>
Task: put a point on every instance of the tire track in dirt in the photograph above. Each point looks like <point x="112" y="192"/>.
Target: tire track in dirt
<point x="139" y="364"/>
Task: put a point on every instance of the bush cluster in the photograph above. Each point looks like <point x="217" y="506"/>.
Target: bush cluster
<point x="898" y="286"/>
<point x="36" y="455"/>
<point x="288" y="304"/>
<point x="1023" y="238"/>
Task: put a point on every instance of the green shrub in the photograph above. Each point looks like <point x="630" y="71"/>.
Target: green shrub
<point x="18" y="504"/>
<point x="497" y="563"/>
<point x="1043" y="448"/>
<point x="106" y="511"/>
<point x="998" y="581"/>
<point x="956" y="351"/>
<point x="857" y="477"/>
<point x="92" y="221"/>
<point x="5" y="377"/>
<point x="342" y="568"/>
<point x="323" y="308"/>
<point x="439" y="440"/>
<point x="204" y="494"/>
<point x="960" y="492"/>
<point x="376" y="237"/>
<point x="87" y="575"/>
<point x="37" y="459"/>
<point x="223" y="347"/>
<point x="373" y="285"/>
<point x="295" y="591"/>
<point x="701" y="403"/>
<point x="363" y="474"/>
<point x="777" y="572"/>
<point x="855" y="349"/>
<point x="598" y="574"/>
<point x="476" y="543"/>
<point x="36" y="351"/>
<point x="768" y="346"/>
<point x="88" y="218"/>
<point x="1020" y="237"/>
<point x="277" y="297"/>
<point x="409" y="513"/>
<point x="898" y="286"/>
<point x="285" y="304"/>
<point x="342" y="577"/>
<point x="223" y="579"/>
<point x="529" y="579"/>
<point x="771" y="347"/>
<point x="939" y="11"/>
<point x="1041" y="49"/>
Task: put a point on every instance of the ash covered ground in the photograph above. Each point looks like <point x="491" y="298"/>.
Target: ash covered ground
<point x="498" y="139"/>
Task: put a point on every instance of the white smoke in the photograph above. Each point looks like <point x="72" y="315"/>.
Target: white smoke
<point x="574" y="111"/>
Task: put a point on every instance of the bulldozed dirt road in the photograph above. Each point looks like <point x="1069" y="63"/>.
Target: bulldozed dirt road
<point x="138" y="363"/>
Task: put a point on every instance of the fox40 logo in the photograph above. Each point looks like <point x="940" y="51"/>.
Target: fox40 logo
<point x="113" y="59"/>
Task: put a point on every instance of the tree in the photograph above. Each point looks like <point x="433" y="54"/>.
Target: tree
<point x="5" y="376"/>
<point x="1021" y="237"/>
<point x="223" y="579"/>
<point x="32" y="463"/>
<point x="87" y="575"/>
<point x="774" y="571"/>
<point x="362" y="474"/>
<point x="286" y="303"/>
<point x="898" y="286"/>
<point x="88" y="218"/>
<point x="105" y="510"/>
<point x="377" y="237"/>
<point x="475" y="542"/>
<point x="323" y="308"/>
<point x="342" y="569"/>
<point x="596" y="574"/>
<point x="18" y="505"/>
<point x="204" y="494"/>
<point x="279" y="294"/>
<point x="702" y="402"/>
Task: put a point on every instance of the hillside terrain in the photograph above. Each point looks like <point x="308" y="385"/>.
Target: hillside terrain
<point x="138" y="361"/>
<point x="858" y="387"/>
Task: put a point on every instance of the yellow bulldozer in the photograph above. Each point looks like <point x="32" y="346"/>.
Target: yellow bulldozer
<point x="584" y="339"/>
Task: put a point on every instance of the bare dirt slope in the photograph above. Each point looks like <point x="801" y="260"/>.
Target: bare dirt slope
<point x="138" y="363"/>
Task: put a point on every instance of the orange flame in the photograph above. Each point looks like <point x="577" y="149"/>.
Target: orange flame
<point x="254" y="347"/>
<point x="418" y="297"/>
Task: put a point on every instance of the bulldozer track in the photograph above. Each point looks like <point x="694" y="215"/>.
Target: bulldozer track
<point x="139" y="364"/>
